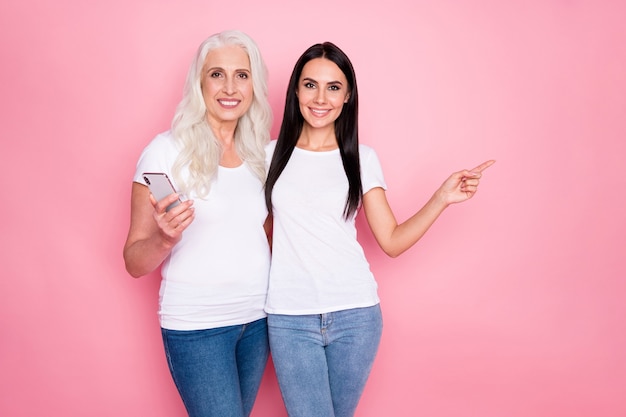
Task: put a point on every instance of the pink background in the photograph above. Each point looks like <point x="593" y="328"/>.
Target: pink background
<point x="513" y="305"/>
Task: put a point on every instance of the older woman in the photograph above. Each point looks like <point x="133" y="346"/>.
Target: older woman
<point x="213" y="247"/>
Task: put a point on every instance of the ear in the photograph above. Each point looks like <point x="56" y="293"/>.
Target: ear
<point x="347" y="98"/>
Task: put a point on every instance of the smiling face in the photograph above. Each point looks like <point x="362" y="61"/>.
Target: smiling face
<point x="322" y="91"/>
<point x="227" y="84"/>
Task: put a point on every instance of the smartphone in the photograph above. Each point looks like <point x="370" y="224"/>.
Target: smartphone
<point x="160" y="186"/>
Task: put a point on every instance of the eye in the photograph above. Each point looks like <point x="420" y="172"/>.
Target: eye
<point x="215" y="74"/>
<point x="309" y="85"/>
<point x="242" y="75"/>
<point x="334" y="88"/>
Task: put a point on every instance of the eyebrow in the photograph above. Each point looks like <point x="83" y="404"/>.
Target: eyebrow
<point x="305" y="79"/>
<point x="222" y="69"/>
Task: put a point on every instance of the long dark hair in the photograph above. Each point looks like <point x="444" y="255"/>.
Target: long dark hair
<point x="346" y="127"/>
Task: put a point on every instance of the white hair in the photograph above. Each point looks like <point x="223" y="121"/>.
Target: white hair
<point x="200" y="151"/>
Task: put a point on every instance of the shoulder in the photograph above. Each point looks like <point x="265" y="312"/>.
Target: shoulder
<point x="161" y="150"/>
<point x="367" y="153"/>
<point x="163" y="143"/>
<point x="269" y="149"/>
<point x="163" y="140"/>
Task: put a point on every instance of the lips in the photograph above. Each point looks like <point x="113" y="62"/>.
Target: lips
<point x="319" y="112"/>
<point x="228" y="103"/>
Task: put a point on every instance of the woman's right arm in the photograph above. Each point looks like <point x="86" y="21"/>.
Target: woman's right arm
<point x="153" y="231"/>
<point x="396" y="238"/>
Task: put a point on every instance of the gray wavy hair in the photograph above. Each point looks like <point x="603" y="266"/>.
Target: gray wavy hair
<point x="200" y="151"/>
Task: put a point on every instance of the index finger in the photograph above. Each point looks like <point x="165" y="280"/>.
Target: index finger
<point x="483" y="166"/>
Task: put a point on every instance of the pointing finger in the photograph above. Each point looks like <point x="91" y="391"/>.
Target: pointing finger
<point x="483" y="166"/>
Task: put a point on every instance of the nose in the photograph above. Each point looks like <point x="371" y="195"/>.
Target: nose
<point x="320" y="97"/>
<point x="229" y="85"/>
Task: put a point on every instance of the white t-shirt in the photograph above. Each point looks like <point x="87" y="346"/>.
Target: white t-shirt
<point x="318" y="266"/>
<point x="217" y="275"/>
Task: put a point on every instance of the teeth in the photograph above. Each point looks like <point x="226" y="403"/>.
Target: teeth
<point x="319" y="111"/>
<point x="228" y="103"/>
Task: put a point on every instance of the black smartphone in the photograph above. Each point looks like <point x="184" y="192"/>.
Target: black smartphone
<point x="160" y="186"/>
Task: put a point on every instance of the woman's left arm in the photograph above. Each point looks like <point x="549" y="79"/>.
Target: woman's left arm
<point x="396" y="238"/>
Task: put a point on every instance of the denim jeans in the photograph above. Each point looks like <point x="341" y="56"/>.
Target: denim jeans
<point x="218" y="371"/>
<point x="322" y="361"/>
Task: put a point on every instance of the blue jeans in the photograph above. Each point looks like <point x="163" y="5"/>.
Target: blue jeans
<point x="218" y="371"/>
<point x="322" y="361"/>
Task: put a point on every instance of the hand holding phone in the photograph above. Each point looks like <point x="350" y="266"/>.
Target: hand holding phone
<point x="160" y="186"/>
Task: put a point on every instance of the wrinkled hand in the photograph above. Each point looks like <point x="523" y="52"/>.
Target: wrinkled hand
<point x="462" y="185"/>
<point x="172" y="223"/>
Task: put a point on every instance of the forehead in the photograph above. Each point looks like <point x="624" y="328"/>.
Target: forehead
<point x="228" y="57"/>
<point x="323" y="70"/>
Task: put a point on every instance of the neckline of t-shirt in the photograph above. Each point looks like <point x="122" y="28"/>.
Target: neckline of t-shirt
<point x="317" y="152"/>
<point x="232" y="168"/>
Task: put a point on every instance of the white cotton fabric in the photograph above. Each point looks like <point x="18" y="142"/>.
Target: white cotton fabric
<point x="318" y="266"/>
<point x="217" y="275"/>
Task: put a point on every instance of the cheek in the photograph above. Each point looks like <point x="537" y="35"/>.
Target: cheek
<point x="341" y="99"/>
<point x="208" y="89"/>
<point x="303" y="97"/>
<point x="303" y="105"/>
<point x="249" y="90"/>
<point x="337" y="104"/>
<point x="246" y="89"/>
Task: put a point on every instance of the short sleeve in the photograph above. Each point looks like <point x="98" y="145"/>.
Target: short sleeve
<point x="158" y="156"/>
<point x="371" y="171"/>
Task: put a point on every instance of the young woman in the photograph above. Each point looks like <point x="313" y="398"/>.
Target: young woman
<point x="324" y="318"/>
<point x="213" y="246"/>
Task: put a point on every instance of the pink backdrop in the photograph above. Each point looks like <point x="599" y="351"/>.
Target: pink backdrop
<point x="514" y="303"/>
